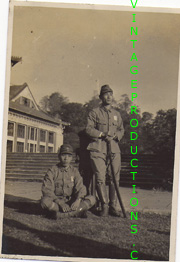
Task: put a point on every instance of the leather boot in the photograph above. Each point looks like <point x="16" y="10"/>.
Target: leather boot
<point x="51" y="209"/>
<point x="80" y="212"/>
<point x="112" y="201"/>
<point x="82" y="209"/>
<point x="102" y="194"/>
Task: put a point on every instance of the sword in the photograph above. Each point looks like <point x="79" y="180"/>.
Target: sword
<point x="110" y="157"/>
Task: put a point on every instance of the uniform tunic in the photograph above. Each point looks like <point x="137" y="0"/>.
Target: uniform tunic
<point x="107" y="121"/>
<point x="102" y="120"/>
<point x="63" y="184"/>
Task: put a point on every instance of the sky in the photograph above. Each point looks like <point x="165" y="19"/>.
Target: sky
<point x="76" y="51"/>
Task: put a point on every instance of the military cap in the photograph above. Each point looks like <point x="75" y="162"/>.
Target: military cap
<point x="66" y="149"/>
<point x="105" y="89"/>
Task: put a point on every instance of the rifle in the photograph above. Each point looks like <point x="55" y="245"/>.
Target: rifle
<point x="110" y="158"/>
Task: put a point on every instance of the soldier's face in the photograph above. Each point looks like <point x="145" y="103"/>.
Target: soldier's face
<point x="107" y="98"/>
<point x="65" y="159"/>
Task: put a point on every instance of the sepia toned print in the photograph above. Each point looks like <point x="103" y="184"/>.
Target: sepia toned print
<point x="62" y="59"/>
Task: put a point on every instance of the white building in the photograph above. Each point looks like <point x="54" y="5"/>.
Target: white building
<point x="29" y="128"/>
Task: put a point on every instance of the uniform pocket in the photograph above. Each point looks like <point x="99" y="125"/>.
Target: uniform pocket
<point x="101" y="125"/>
<point x="58" y="188"/>
<point x="58" y="191"/>
<point x="58" y="184"/>
<point x="69" y="188"/>
<point x="115" y="123"/>
<point x="70" y="184"/>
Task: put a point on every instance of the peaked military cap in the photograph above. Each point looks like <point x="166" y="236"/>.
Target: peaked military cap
<point x="105" y="89"/>
<point x="66" y="149"/>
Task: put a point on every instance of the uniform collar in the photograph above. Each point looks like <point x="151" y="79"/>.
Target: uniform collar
<point x="105" y="109"/>
<point x="64" y="169"/>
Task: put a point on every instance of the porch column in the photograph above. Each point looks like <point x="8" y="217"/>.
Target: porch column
<point x="15" y="137"/>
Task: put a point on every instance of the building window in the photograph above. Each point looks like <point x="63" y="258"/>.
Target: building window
<point x="32" y="133"/>
<point x="51" y="137"/>
<point x="20" y="147"/>
<point x="50" y="149"/>
<point x="42" y="135"/>
<point x="42" y="149"/>
<point x="31" y="148"/>
<point x="36" y="134"/>
<point x="26" y="101"/>
<point x="28" y="132"/>
<point x="10" y="129"/>
<point x="21" y="131"/>
<point x="9" y="146"/>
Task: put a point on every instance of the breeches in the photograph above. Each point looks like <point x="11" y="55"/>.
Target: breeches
<point x="100" y="168"/>
<point x="49" y="204"/>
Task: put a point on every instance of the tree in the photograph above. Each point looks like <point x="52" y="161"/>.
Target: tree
<point x="53" y="104"/>
<point x="94" y="102"/>
<point x="125" y="104"/>
<point x="161" y="132"/>
<point x="44" y="103"/>
<point x="160" y="138"/>
<point x="124" y="107"/>
<point x="147" y="117"/>
<point x="75" y="114"/>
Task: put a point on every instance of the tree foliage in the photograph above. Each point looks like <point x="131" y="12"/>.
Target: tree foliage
<point x="53" y="104"/>
<point x="93" y="103"/>
<point x="75" y="114"/>
<point x="160" y="132"/>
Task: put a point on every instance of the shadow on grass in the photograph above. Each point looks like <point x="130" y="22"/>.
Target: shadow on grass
<point x="23" y="205"/>
<point x="12" y="245"/>
<point x="32" y="241"/>
<point x="63" y="245"/>
<point x="28" y="206"/>
<point x="159" y="232"/>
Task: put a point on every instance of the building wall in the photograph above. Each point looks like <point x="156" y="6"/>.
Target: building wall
<point x="33" y="132"/>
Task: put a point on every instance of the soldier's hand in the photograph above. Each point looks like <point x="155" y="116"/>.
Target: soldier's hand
<point x="76" y="204"/>
<point x="108" y="138"/>
<point x="65" y="208"/>
<point x="115" y="138"/>
<point x="103" y="135"/>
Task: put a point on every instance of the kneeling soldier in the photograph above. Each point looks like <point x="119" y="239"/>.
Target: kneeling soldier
<point x="63" y="191"/>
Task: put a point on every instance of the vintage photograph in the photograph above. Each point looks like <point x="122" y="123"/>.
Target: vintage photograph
<point x="91" y="133"/>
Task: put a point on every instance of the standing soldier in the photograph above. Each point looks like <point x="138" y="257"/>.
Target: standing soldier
<point x="105" y="125"/>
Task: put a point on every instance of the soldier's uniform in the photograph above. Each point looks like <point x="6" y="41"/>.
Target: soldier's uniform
<point x="103" y="120"/>
<point x="64" y="185"/>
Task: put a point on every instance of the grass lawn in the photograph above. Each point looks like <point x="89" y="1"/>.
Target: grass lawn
<point x="27" y="232"/>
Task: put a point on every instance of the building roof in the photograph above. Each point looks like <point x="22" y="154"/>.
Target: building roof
<point x="15" y="90"/>
<point x="15" y="60"/>
<point x="38" y="114"/>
